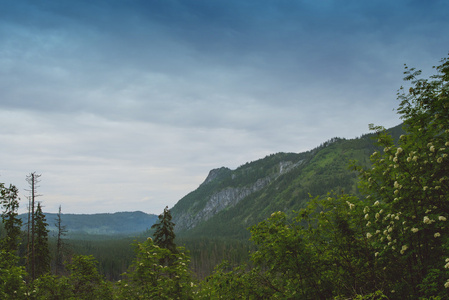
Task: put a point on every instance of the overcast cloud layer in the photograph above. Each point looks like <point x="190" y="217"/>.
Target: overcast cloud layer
<point x="127" y="105"/>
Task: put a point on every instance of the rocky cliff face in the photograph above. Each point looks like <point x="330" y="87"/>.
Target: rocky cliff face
<point x="227" y="196"/>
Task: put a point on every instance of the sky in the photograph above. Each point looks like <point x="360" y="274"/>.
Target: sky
<point x="127" y="105"/>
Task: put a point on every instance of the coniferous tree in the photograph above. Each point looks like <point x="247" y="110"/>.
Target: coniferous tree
<point x="10" y="203"/>
<point x="164" y="235"/>
<point x="42" y="253"/>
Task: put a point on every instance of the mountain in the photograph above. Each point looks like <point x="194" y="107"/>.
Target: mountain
<point x="229" y="201"/>
<point x="120" y="223"/>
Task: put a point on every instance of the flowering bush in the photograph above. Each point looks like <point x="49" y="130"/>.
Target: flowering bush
<point x="409" y="183"/>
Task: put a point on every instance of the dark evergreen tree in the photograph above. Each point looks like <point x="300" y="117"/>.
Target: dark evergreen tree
<point x="10" y="203"/>
<point x="164" y="235"/>
<point x="42" y="252"/>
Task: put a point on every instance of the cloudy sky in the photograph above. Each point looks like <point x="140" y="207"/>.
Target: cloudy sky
<point x="127" y="105"/>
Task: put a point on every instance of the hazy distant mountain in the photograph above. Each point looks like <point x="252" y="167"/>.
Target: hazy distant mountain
<point x="230" y="201"/>
<point x="120" y="223"/>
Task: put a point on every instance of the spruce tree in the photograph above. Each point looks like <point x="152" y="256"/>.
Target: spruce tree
<point x="164" y="235"/>
<point x="42" y="252"/>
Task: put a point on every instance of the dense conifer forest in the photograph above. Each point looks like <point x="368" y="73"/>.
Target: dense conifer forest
<point x="378" y="230"/>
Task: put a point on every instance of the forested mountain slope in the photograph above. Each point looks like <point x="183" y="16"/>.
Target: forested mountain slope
<point x="230" y="201"/>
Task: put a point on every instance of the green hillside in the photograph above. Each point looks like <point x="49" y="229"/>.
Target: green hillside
<point x="278" y="182"/>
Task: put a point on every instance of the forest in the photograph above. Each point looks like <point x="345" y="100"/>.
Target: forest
<point x="390" y="240"/>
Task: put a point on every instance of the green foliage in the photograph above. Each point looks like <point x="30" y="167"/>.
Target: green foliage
<point x="148" y="278"/>
<point x="51" y="287"/>
<point x="114" y="255"/>
<point x="85" y="281"/>
<point x="10" y="204"/>
<point x="12" y="284"/>
<point x="233" y="283"/>
<point x="377" y="295"/>
<point x="207" y="253"/>
<point x="321" y="253"/>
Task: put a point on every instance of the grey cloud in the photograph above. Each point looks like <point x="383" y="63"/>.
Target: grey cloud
<point x="159" y="92"/>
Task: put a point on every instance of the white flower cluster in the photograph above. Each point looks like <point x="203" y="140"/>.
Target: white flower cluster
<point x="276" y="213"/>
<point x="427" y="220"/>
<point x="446" y="285"/>
<point x="404" y="247"/>
<point x="351" y="205"/>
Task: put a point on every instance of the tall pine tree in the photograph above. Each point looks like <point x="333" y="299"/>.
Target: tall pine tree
<point x="41" y="250"/>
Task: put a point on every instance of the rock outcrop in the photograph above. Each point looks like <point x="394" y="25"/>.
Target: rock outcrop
<point x="228" y="196"/>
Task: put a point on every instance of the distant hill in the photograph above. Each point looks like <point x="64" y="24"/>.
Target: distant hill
<point x="229" y="201"/>
<point x="120" y="223"/>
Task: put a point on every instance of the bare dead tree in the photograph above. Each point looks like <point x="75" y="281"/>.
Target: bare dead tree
<point x="62" y="231"/>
